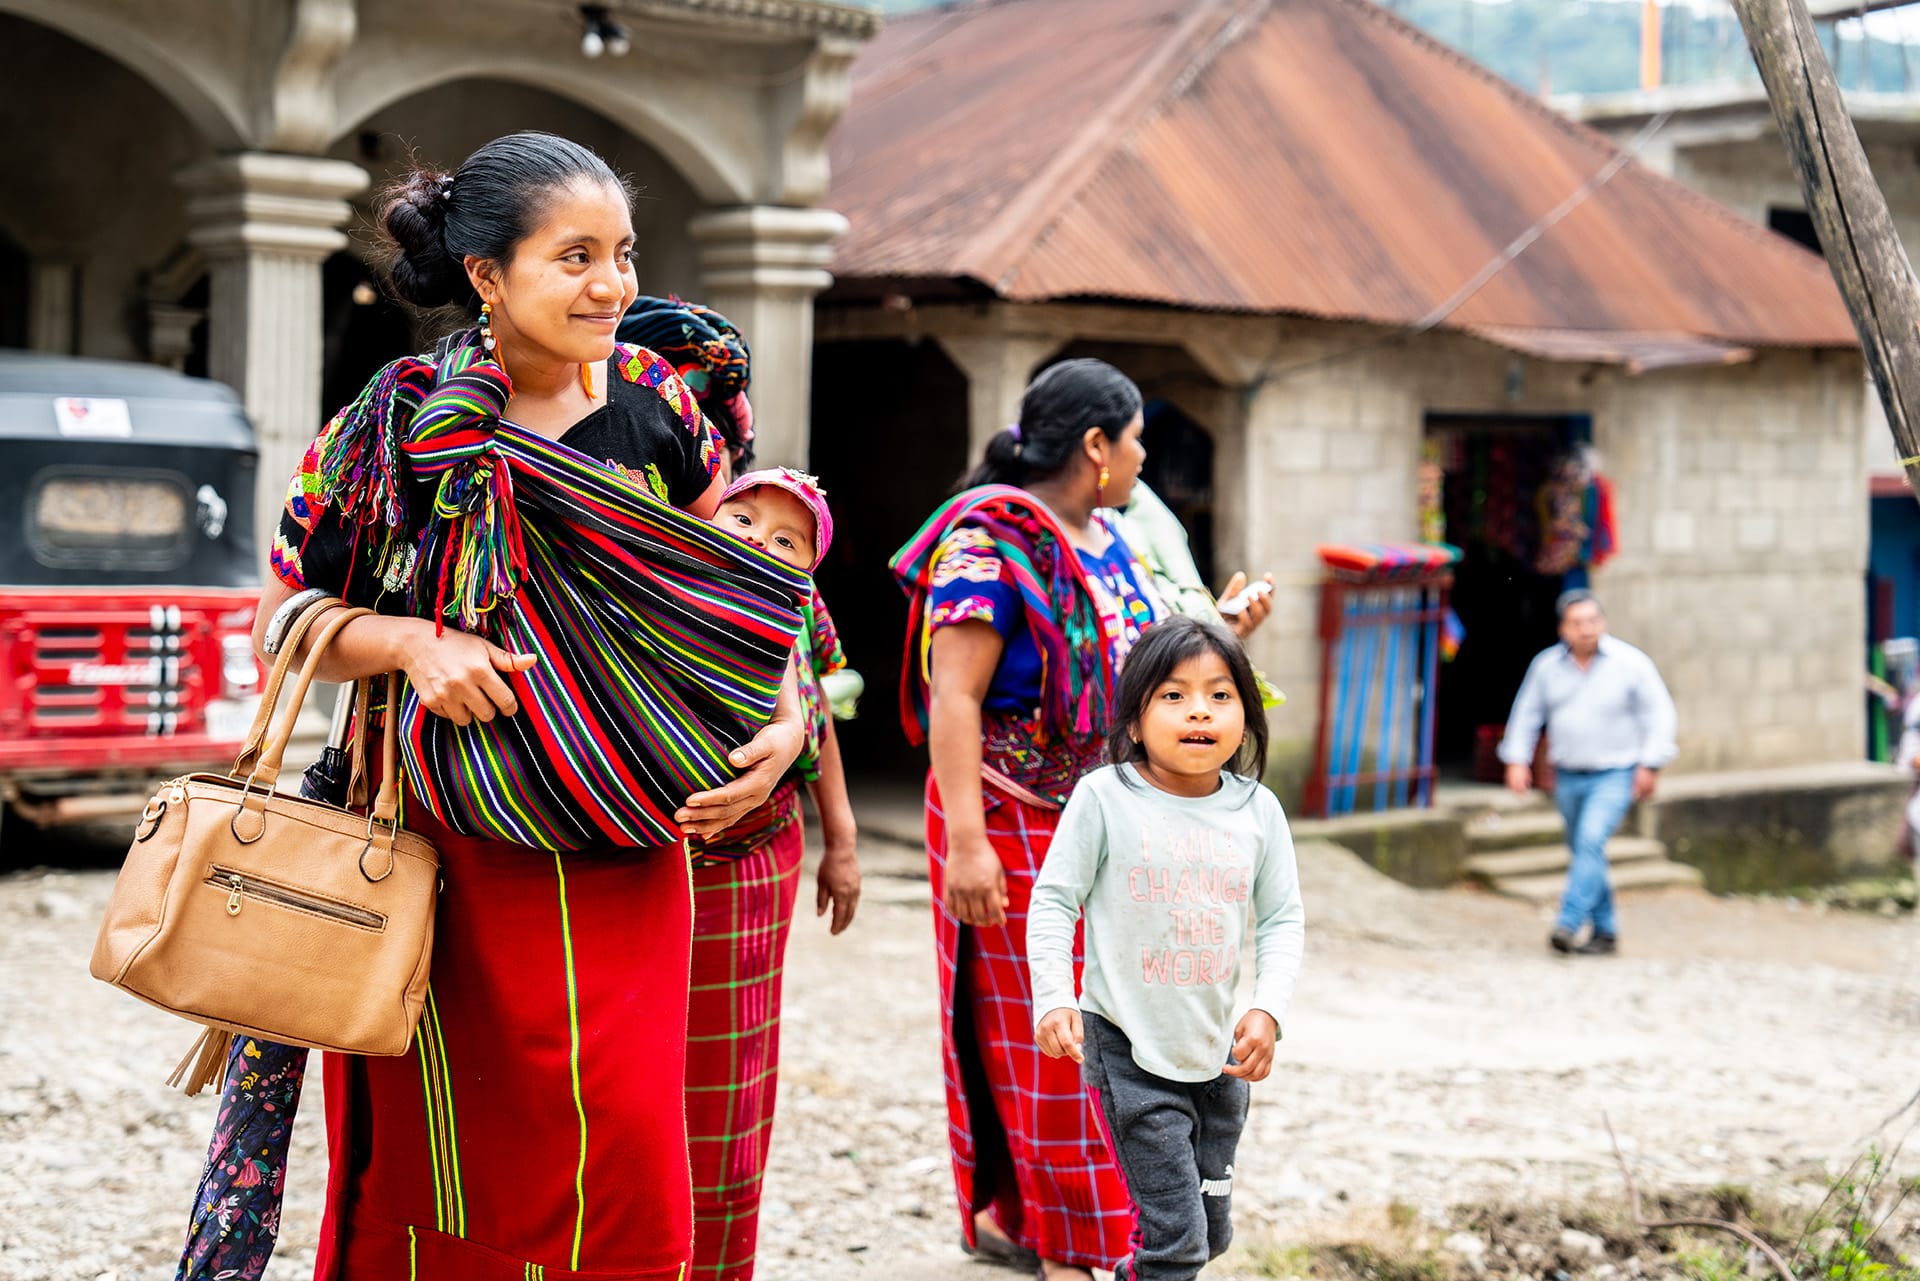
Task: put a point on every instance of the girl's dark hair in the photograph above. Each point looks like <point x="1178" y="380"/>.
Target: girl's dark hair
<point x="485" y="208"/>
<point x="1161" y="649"/>
<point x="1058" y="408"/>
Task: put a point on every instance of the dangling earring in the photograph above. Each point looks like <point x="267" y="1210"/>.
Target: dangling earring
<point x="586" y="380"/>
<point x="487" y="342"/>
<point x="1105" y="476"/>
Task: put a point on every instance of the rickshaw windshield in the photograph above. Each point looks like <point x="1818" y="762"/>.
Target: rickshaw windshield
<point x="122" y="476"/>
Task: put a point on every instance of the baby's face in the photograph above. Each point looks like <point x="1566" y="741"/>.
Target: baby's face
<point x="773" y="520"/>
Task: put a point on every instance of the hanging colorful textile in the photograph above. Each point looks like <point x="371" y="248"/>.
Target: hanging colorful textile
<point x="663" y="640"/>
<point x="1060" y="603"/>
<point x="1602" y="540"/>
<point x="1563" y="526"/>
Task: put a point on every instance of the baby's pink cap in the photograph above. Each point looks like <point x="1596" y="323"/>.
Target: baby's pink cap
<point x="802" y="486"/>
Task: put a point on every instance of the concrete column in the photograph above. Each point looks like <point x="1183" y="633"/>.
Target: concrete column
<point x="265" y="222"/>
<point x="762" y="266"/>
<point x="53" y="311"/>
<point x="170" y="333"/>
<point x="998" y="368"/>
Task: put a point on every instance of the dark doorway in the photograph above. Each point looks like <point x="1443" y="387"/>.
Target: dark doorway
<point x="1794" y="224"/>
<point x="889" y="445"/>
<point x="1180" y="470"/>
<point x="363" y="329"/>
<point x="1514" y="564"/>
<point x="13" y="293"/>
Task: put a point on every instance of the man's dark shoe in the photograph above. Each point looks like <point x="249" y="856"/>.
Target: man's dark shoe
<point x="1599" y="945"/>
<point x="1562" y="941"/>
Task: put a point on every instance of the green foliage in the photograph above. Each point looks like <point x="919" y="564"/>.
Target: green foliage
<point x="1593" y="46"/>
<point x="1367" y="1263"/>
<point x="1701" y="1261"/>
<point x="1842" y="1241"/>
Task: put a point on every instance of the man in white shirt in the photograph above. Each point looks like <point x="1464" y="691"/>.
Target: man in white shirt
<point x="1609" y="723"/>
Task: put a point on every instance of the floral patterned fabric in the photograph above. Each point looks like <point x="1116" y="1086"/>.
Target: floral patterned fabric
<point x="236" y="1211"/>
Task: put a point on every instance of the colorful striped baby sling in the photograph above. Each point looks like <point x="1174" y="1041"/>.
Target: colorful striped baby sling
<point x="1077" y="678"/>
<point x="662" y="640"/>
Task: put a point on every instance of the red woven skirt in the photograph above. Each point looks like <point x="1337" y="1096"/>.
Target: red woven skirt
<point x="742" y="909"/>
<point x="536" y="1129"/>
<point x="1026" y="1141"/>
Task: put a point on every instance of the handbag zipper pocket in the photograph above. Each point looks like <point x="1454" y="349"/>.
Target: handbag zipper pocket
<point x="240" y="887"/>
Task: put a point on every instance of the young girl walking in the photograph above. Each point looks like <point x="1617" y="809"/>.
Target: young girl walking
<point x="1164" y="850"/>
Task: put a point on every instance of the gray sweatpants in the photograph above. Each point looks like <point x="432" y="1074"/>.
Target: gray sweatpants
<point x="1174" y="1143"/>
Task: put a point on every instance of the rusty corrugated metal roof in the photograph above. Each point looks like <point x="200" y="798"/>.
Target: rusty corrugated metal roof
<point x="1317" y="157"/>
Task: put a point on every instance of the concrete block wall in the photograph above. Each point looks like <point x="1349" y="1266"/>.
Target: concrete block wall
<point x="1741" y="501"/>
<point x="1743" y="528"/>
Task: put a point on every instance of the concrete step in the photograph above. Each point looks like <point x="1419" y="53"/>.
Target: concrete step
<point x="1534" y="860"/>
<point x="1514" y="829"/>
<point x="1652" y="874"/>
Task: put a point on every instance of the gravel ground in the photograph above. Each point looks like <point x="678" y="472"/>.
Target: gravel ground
<point x="1436" y="1056"/>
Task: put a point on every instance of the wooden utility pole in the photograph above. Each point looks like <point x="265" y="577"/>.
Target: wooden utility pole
<point x="1848" y="211"/>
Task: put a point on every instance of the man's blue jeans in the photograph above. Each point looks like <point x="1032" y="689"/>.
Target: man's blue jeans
<point x="1592" y="802"/>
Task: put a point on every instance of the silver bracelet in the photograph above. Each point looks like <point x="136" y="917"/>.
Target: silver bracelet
<point x="290" y="609"/>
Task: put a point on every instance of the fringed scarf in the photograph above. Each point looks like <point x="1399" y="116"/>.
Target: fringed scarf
<point x="662" y="640"/>
<point x="1076" y="685"/>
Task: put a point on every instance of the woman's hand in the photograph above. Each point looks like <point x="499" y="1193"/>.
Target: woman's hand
<point x="459" y="675"/>
<point x="838" y="884"/>
<point x="976" y="883"/>
<point x="762" y="764"/>
<point x="1248" y="620"/>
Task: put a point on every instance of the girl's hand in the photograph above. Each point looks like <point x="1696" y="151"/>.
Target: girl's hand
<point x="762" y="763"/>
<point x="976" y="883"/>
<point x="1253" y="1040"/>
<point x="1059" y="1034"/>
<point x="461" y="676"/>
<point x="839" y="885"/>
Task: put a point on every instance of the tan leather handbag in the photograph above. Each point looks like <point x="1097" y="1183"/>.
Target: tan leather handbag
<point x="271" y="915"/>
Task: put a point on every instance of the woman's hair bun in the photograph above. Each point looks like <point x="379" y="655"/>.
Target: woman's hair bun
<point x="415" y="218"/>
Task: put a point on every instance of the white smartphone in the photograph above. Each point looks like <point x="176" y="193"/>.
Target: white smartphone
<point x="1238" y="602"/>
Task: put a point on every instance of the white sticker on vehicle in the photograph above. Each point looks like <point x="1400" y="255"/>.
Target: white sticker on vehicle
<point x="92" y="416"/>
<point x="114" y="673"/>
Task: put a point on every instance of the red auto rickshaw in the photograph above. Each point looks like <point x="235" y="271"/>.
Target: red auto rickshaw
<point x="128" y="580"/>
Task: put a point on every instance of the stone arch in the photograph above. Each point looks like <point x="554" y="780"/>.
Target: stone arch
<point x="443" y="124"/>
<point x="95" y="208"/>
<point x="718" y="179"/>
<point x="221" y="123"/>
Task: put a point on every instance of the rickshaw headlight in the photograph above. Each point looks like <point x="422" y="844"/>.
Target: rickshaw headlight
<point x="239" y="673"/>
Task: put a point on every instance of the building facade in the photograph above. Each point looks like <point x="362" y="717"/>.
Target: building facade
<point x="1364" y="287"/>
<point x="192" y="181"/>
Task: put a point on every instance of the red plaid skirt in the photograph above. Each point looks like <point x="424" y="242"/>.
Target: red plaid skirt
<point x="535" y="1129"/>
<point x="741" y="911"/>
<point x="1026" y="1140"/>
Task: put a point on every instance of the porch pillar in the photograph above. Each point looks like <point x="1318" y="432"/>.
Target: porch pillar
<point x="762" y="266"/>
<point x="53" y="306"/>
<point x="998" y="368"/>
<point x="265" y="222"/>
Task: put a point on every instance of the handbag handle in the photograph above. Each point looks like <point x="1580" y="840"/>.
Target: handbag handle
<point x="383" y="820"/>
<point x="249" y="822"/>
<point x="270" y="694"/>
<point x="357" y="755"/>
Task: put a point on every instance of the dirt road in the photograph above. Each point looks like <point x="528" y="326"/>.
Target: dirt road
<point x="1436" y="1055"/>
